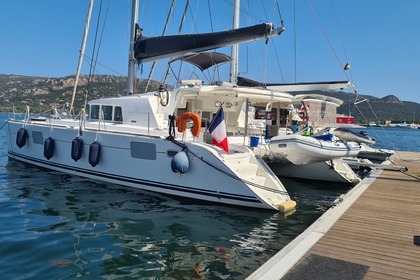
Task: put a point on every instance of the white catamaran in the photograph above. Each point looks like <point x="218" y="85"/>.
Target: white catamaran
<point x="132" y="141"/>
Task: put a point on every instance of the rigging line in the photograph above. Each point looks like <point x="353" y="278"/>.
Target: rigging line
<point x="93" y="55"/>
<point x="265" y="64"/>
<point x="405" y="171"/>
<point x="245" y="11"/>
<point x="211" y="18"/>
<point x="333" y="50"/>
<point x="412" y="176"/>
<point x="89" y="59"/>
<point x="341" y="37"/>
<point x="187" y="4"/>
<point x="181" y="25"/>
<point x="4" y="124"/>
<point x="193" y="16"/>
<point x="265" y="11"/>
<point x="278" y="62"/>
<point x="279" y="12"/>
<point x="152" y="69"/>
<point x="328" y="40"/>
<point x="339" y="29"/>
<point x="383" y="129"/>
<point x="274" y="46"/>
<point x="383" y="141"/>
<point x="101" y="37"/>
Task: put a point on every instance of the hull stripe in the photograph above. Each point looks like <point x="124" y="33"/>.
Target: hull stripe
<point x="154" y="184"/>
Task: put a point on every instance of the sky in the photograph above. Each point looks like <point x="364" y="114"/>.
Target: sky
<point x="379" y="39"/>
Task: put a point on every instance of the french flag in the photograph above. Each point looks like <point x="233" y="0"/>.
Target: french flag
<point x="217" y="129"/>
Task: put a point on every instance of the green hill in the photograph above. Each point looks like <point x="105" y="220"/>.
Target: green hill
<point x="374" y="109"/>
<point x="43" y="94"/>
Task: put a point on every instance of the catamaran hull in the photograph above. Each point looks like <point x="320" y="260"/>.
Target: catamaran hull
<point x="137" y="161"/>
<point x="301" y="150"/>
<point x="330" y="171"/>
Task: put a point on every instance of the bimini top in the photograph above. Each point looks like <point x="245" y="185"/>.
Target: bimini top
<point x="203" y="60"/>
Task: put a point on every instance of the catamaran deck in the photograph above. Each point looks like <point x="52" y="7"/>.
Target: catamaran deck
<point x="374" y="233"/>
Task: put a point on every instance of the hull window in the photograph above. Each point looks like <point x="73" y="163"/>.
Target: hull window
<point x="37" y="137"/>
<point x="143" y="150"/>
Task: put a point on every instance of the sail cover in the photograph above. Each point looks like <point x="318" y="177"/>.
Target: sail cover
<point x="203" y="60"/>
<point x="154" y="48"/>
<point x="244" y="82"/>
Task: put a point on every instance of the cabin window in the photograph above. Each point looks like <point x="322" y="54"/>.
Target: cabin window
<point x="107" y="110"/>
<point x="37" y="137"/>
<point x="143" y="150"/>
<point x="94" y="112"/>
<point x="118" y="114"/>
<point x="110" y="113"/>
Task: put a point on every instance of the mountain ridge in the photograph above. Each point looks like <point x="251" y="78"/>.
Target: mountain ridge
<point x="45" y="93"/>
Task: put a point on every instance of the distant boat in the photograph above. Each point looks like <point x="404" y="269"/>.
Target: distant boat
<point x="402" y="125"/>
<point x="372" y="124"/>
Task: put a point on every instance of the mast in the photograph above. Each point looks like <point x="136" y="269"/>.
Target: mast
<point x="81" y="54"/>
<point x="235" y="48"/>
<point x="234" y="62"/>
<point x="131" y="60"/>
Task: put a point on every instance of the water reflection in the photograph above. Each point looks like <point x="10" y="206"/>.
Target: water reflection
<point x="75" y="227"/>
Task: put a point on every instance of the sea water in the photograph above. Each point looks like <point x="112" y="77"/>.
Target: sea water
<point x="56" y="226"/>
<point x="395" y="138"/>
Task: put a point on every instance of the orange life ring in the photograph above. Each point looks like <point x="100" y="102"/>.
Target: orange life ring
<point x="181" y="122"/>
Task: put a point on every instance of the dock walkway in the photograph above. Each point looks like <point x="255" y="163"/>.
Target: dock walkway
<point x="374" y="233"/>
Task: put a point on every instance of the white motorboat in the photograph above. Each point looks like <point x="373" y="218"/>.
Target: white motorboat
<point x="131" y="140"/>
<point x="299" y="149"/>
<point x="346" y="134"/>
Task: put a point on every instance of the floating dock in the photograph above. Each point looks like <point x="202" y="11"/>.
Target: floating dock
<point x="373" y="233"/>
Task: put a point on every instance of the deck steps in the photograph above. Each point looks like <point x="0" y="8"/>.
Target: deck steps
<point x="241" y="166"/>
